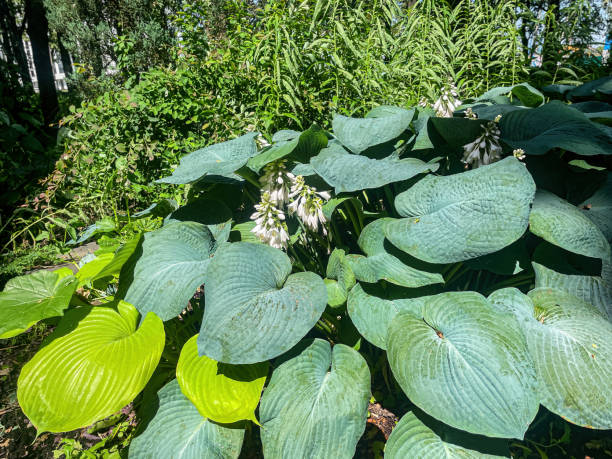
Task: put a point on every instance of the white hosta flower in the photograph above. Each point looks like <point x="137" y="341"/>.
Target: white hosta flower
<point x="307" y="203"/>
<point x="270" y="223"/>
<point x="448" y="101"/>
<point x="277" y="181"/>
<point x="519" y="154"/>
<point x="486" y="149"/>
<point x="469" y="114"/>
<point x="263" y="143"/>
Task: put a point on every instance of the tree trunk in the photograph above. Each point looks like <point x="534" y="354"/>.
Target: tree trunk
<point x="38" y="30"/>
<point x="65" y="56"/>
<point x="14" y="40"/>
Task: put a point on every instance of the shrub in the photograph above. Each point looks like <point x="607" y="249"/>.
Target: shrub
<point x="469" y="255"/>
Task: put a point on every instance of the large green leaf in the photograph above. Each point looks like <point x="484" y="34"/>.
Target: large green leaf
<point x="221" y="392"/>
<point x="454" y="132"/>
<point x="571" y="346"/>
<point x="562" y="224"/>
<point x="595" y="110"/>
<point x="465" y="363"/>
<point x="601" y="87"/>
<point x="372" y="315"/>
<point x="412" y="438"/>
<point x="527" y="94"/>
<point x="316" y="404"/>
<point x="554" y="125"/>
<point x="348" y="172"/>
<point x="210" y="212"/>
<point x="255" y="310"/>
<point x="380" y="265"/>
<point x="120" y="258"/>
<point x="172" y="266"/>
<point x="463" y="216"/>
<point x="219" y="160"/>
<point x="105" y="225"/>
<point x="90" y="270"/>
<point x="301" y="148"/>
<point x="93" y="364"/>
<point x="382" y="124"/>
<point x="599" y="208"/>
<point x="178" y="431"/>
<point x="33" y="297"/>
<point x="339" y="269"/>
<point x="590" y="289"/>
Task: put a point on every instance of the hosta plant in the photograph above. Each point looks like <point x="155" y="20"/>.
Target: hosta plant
<point x="457" y="268"/>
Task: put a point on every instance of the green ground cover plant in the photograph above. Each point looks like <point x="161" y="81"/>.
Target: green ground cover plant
<point x="449" y="262"/>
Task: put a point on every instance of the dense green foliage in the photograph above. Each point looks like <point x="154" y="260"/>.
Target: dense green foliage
<point x="221" y="68"/>
<point x="472" y="261"/>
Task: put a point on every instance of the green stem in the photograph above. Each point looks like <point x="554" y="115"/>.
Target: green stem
<point x="354" y="219"/>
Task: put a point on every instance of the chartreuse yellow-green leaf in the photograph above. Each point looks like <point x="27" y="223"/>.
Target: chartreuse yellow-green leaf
<point x="89" y="271"/>
<point x="33" y="297"/>
<point x="221" y="392"/>
<point x="95" y="362"/>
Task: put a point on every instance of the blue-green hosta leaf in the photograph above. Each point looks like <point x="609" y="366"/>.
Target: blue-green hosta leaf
<point x="463" y="216"/>
<point x="490" y="112"/>
<point x="316" y="404"/>
<point x="386" y="267"/>
<point x="595" y="110"/>
<point x="339" y="269"/>
<point x="158" y="209"/>
<point x="527" y="94"/>
<point x="27" y="299"/>
<point x="380" y="126"/>
<point x="557" y="90"/>
<point x="590" y="289"/>
<point x="210" y="212"/>
<point x="454" y="132"/>
<point x="243" y="232"/>
<point x="571" y="346"/>
<point x="465" y="363"/>
<point x="562" y="224"/>
<point x="554" y="125"/>
<point x="221" y="392"/>
<point x="255" y="309"/>
<point x="300" y="148"/>
<point x="372" y="315"/>
<point x="178" y="431"/>
<point x="336" y="295"/>
<point x="221" y="159"/>
<point x="348" y="172"/>
<point x="172" y="266"/>
<point x="599" y="208"/>
<point x="95" y="363"/>
<point x="380" y="265"/>
<point x="597" y="88"/>
<point x="412" y="438"/>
